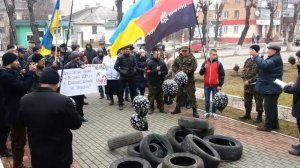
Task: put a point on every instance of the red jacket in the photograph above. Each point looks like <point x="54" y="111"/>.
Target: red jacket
<point x="213" y="74"/>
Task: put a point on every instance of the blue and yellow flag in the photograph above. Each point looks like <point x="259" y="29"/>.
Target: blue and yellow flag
<point x="48" y="37"/>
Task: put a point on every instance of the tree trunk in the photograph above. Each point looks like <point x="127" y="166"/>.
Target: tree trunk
<point x="247" y="25"/>
<point x="270" y="31"/>
<point x="10" y="8"/>
<point x="284" y="33"/>
<point x="292" y="28"/>
<point x="119" y="4"/>
<point x="33" y="25"/>
<point x="204" y="26"/>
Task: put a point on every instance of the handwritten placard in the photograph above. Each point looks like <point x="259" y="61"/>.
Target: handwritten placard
<point x="100" y="69"/>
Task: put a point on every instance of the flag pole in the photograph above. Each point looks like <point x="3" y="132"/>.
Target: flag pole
<point x="56" y="36"/>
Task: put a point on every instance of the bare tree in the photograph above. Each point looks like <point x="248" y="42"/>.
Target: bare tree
<point x="119" y="4"/>
<point x="33" y="25"/>
<point x="272" y="5"/>
<point x="293" y="25"/>
<point x="204" y="6"/>
<point x="248" y="4"/>
<point x="10" y="9"/>
<point x="219" y="6"/>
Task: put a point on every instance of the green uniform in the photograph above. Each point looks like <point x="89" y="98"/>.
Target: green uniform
<point x="249" y="74"/>
<point x="188" y="65"/>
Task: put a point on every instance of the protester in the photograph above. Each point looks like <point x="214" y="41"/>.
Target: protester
<point x="126" y="66"/>
<point x="14" y="86"/>
<point x="79" y="99"/>
<point x="49" y="59"/>
<point x="83" y="57"/>
<point x="156" y="70"/>
<point x="10" y="47"/>
<point x="21" y="59"/>
<point x="294" y="88"/>
<point x="49" y="116"/>
<point x="169" y="60"/>
<point x="99" y="60"/>
<point x="269" y="70"/>
<point x="112" y="87"/>
<point x="90" y="53"/>
<point x="187" y="63"/>
<point x="249" y="74"/>
<point x="39" y="60"/>
<point x="102" y="46"/>
<point x="214" y="75"/>
<point x="35" y="50"/>
<point x="140" y="79"/>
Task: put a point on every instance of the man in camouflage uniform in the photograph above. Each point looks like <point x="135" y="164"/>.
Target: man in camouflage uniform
<point x="187" y="63"/>
<point x="250" y="72"/>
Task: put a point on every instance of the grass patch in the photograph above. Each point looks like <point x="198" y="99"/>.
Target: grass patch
<point x="234" y="85"/>
<point x="286" y="127"/>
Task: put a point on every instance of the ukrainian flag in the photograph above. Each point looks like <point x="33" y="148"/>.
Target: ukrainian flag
<point x="118" y="39"/>
<point x="48" y="37"/>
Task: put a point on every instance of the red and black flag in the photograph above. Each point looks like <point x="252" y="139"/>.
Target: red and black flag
<point x="166" y="17"/>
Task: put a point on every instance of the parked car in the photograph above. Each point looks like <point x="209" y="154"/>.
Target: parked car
<point x="195" y="46"/>
<point x="297" y="40"/>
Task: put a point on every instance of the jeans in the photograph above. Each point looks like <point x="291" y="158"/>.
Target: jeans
<point x="207" y="93"/>
<point x="101" y="91"/>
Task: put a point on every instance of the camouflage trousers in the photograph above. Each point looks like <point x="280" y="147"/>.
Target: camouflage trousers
<point x="249" y="93"/>
<point x="156" y="93"/>
<point x="186" y="95"/>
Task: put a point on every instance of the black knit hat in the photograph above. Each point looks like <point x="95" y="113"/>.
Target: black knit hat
<point x="255" y="47"/>
<point x="9" y="58"/>
<point x="49" y="76"/>
<point x="37" y="57"/>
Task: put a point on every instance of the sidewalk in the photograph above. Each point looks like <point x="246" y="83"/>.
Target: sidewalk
<point x="261" y="149"/>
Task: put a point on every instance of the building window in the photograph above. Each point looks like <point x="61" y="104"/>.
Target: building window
<point x="94" y="31"/>
<point x="236" y="14"/>
<point x="225" y="14"/>
<point x="235" y="29"/>
<point x="225" y="29"/>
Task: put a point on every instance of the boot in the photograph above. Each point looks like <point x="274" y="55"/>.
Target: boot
<point x="247" y="116"/>
<point x="295" y="151"/>
<point x="195" y="112"/>
<point x="111" y="102"/>
<point x="176" y="110"/>
<point x="258" y="118"/>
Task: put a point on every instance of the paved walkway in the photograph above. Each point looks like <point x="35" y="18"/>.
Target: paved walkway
<point x="261" y="149"/>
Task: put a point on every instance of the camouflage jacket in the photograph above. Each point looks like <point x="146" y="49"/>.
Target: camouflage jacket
<point x="186" y="64"/>
<point x="250" y="71"/>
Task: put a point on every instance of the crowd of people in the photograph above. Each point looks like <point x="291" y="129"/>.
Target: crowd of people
<point x="30" y="93"/>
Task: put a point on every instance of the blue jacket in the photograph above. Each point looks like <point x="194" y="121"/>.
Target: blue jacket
<point x="269" y="70"/>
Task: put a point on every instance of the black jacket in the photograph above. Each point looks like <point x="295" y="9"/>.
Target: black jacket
<point x="295" y="90"/>
<point x="49" y="117"/>
<point x="14" y="86"/>
<point x="154" y="79"/>
<point x="269" y="70"/>
<point x="90" y="54"/>
<point x="73" y="64"/>
<point x="126" y="66"/>
<point x="140" y="80"/>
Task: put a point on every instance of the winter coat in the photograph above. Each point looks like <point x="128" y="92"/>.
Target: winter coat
<point x="154" y="79"/>
<point x="49" y="60"/>
<point x="90" y="54"/>
<point x="126" y="66"/>
<point x="109" y="63"/>
<point x="98" y="60"/>
<point x="14" y="87"/>
<point x="295" y="90"/>
<point x="140" y="80"/>
<point x="214" y="73"/>
<point x="269" y="70"/>
<point x="73" y="64"/>
<point x="49" y="117"/>
<point x="23" y="63"/>
<point x="186" y="64"/>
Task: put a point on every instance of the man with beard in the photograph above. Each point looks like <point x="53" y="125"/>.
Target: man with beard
<point x="14" y="87"/>
<point x="126" y="66"/>
<point x="90" y="53"/>
<point x="156" y="70"/>
<point x="39" y="60"/>
<point x="99" y="60"/>
<point x="79" y="99"/>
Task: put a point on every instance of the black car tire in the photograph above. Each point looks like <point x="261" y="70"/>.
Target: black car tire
<point x="133" y="162"/>
<point x="176" y="135"/>
<point x="124" y="140"/>
<point x="134" y="150"/>
<point x="201" y="148"/>
<point x="227" y="147"/>
<point x="193" y="123"/>
<point x="159" y="140"/>
<point x="180" y="160"/>
<point x="201" y="133"/>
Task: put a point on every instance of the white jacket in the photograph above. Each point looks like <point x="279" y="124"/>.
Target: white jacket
<point x="109" y="63"/>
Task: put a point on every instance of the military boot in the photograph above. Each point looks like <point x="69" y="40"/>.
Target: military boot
<point x="247" y="116"/>
<point x="195" y="112"/>
<point x="176" y="110"/>
<point x="259" y="117"/>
